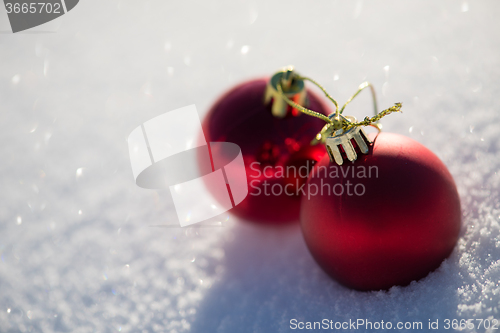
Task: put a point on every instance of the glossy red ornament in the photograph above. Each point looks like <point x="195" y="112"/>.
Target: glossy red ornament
<point x="267" y="144"/>
<point x="393" y="224"/>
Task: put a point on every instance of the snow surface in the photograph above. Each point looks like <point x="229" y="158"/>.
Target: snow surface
<point x="78" y="250"/>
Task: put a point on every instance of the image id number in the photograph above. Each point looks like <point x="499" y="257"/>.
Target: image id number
<point x="33" y="8"/>
<point x="471" y="324"/>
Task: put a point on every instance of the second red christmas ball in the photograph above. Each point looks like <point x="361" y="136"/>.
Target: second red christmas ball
<point x="388" y="218"/>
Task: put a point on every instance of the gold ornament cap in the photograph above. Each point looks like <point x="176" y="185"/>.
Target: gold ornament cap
<point x="342" y="138"/>
<point x="293" y="88"/>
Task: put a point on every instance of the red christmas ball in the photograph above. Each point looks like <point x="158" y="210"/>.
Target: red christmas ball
<point x="267" y="143"/>
<point x="390" y="217"/>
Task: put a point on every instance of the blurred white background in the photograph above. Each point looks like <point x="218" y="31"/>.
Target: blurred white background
<point x="78" y="253"/>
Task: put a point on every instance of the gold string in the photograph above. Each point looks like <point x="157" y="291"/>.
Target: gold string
<point x="301" y="108"/>
<point x="333" y="122"/>
<point x="361" y="87"/>
<point x="368" y="121"/>
<point x="322" y="89"/>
